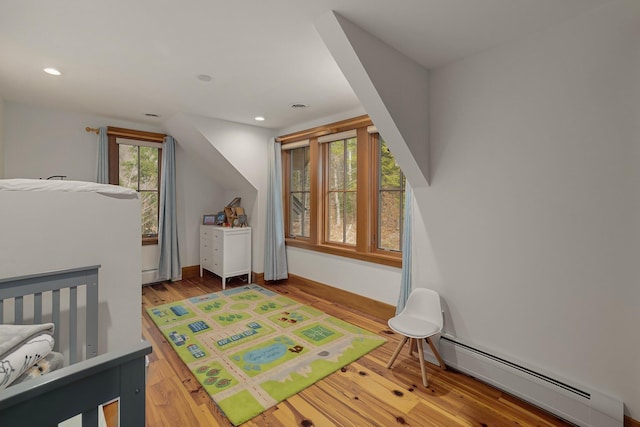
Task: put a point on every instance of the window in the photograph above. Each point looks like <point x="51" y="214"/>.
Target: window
<point x="300" y="194"/>
<point x="341" y="182"/>
<point x="390" y="200"/>
<point x="135" y="159"/>
<point x="343" y="192"/>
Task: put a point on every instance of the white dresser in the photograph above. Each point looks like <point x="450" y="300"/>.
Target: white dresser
<point x="225" y="251"/>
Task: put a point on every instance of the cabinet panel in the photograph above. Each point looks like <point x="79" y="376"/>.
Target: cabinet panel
<point x="225" y="251"/>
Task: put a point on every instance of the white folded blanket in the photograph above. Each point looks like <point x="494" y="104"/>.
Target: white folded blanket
<point x="21" y="347"/>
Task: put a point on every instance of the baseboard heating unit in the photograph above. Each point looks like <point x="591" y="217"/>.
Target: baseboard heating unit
<point x="575" y="403"/>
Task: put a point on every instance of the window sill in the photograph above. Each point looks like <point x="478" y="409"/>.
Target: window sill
<point x="376" y="258"/>
<point x="149" y="241"/>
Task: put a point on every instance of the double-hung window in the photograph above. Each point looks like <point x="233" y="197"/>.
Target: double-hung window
<point x="389" y="199"/>
<point x="343" y="192"/>
<point x="135" y="159"/>
<point x="340" y="187"/>
<point x="299" y="196"/>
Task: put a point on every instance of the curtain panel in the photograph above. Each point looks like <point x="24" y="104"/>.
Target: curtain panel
<point x="405" y="280"/>
<point x="275" y="253"/>
<point x="169" y="267"/>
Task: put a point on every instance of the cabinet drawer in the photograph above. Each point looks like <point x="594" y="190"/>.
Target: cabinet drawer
<point x="206" y="262"/>
<point x="206" y="246"/>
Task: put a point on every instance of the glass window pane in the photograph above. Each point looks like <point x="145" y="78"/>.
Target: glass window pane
<point x="149" y="207"/>
<point x="351" y="173"/>
<point x="297" y="168"/>
<point x="148" y="168"/>
<point x="335" y="232"/>
<point x="296" y="211"/>
<point x="390" y="173"/>
<point x="336" y="165"/>
<point x="350" y="217"/>
<point x="128" y="166"/>
<point x="390" y="222"/>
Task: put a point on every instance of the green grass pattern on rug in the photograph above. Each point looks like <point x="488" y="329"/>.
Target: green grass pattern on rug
<point x="251" y="348"/>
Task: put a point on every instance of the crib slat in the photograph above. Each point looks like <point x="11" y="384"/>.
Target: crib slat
<point x="37" y="307"/>
<point x="92" y="318"/>
<point x="2" y="311"/>
<point x="18" y="308"/>
<point x="73" y="324"/>
<point x="90" y="418"/>
<point x="55" y="318"/>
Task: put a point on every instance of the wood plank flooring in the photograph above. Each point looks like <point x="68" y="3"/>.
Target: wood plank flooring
<point x="364" y="393"/>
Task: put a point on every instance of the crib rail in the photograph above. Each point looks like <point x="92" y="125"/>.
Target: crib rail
<point x="79" y="389"/>
<point x="39" y="285"/>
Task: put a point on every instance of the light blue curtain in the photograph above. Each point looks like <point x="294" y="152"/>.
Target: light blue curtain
<point x="405" y="280"/>
<point x="169" y="267"/>
<point x="275" y="254"/>
<point x="103" y="157"/>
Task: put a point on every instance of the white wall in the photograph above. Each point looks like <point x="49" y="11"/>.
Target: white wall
<point x="530" y="227"/>
<point x="197" y="195"/>
<point x="40" y="142"/>
<point x="376" y="281"/>
<point x="245" y="148"/>
<point x="1" y="138"/>
<point x="53" y="230"/>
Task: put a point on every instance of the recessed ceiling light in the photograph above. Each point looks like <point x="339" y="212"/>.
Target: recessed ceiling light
<point x="259" y="118"/>
<point x="152" y="115"/>
<point x="52" y="71"/>
<point x="204" y="77"/>
<point x="299" y="106"/>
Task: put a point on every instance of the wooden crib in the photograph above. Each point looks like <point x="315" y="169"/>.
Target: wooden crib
<point x="69" y="299"/>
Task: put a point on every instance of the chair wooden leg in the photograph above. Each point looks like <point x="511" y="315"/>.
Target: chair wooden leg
<point x="397" y="352"/>
<point x="436" y="354"/>
<point x="422" y="368"/>
<point x="412" y="346"/>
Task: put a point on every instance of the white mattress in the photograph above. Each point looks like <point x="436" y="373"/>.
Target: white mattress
<point x="20" y="184"/>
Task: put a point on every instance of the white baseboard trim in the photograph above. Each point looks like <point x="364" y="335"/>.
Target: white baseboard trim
<point x="573" y="402"/>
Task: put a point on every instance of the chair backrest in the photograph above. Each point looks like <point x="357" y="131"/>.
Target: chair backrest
<point x="424" y="303"/>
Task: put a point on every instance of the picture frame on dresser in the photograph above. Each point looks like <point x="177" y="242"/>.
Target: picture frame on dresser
<point x="221" y="218"/>
<point x="209" y="219"/>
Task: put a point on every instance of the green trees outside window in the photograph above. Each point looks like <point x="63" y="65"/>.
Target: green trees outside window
<point x="139" y="170"/>
<point x="343" y="192"/>
<point x="391" y="182"/>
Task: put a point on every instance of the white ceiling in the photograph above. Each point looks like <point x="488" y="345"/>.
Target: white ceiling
<point x="125" y="58"/>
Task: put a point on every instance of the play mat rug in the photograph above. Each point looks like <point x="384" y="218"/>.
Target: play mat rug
<point x="251" y="348"/>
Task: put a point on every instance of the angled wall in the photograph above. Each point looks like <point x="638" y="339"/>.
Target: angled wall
<point x="234" y="156"/>
<point x="391" y="87"/>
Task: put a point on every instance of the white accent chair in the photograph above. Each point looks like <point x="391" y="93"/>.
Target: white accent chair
<point x="420" y="319"/>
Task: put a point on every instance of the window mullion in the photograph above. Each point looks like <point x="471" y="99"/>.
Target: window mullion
<point x="316" y="203"/>
<point x="402" y="209"/>
<point x="138" y="166"/>
<point x="365" y="193"/>
<point x="345" y="164"/>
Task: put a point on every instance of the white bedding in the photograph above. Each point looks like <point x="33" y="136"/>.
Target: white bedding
<point x="21" y="347"/>
<point x="20" y="184"/>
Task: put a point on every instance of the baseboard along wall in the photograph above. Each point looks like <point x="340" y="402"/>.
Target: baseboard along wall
<point x="630" y="422"/>
<point x="363" y="304"/>
<point x="190" y="271"/>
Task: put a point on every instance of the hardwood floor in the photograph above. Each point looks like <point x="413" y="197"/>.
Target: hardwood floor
<point x="364" y="393"/>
